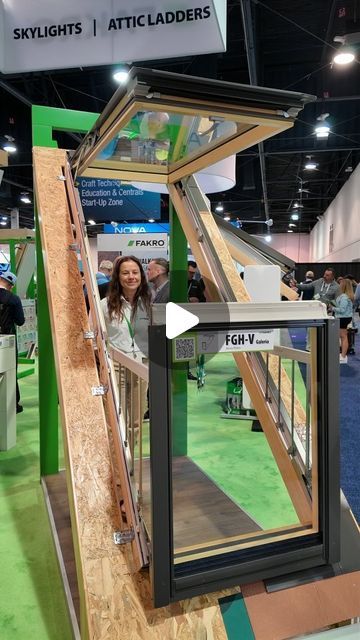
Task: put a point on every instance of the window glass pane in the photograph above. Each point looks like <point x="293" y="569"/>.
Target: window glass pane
<point x="160" y="139"/>
<point x="245" y="479"/>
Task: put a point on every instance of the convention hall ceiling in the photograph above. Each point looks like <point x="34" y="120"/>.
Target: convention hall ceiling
<point x="278" y="44"/>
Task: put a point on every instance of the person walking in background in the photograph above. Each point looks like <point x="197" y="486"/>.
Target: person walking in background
<point x="325" y="289"/>
<point x="308" y="294"/>
<point x="103" y="276"/>
<point x="158" y="275"/>
<point x="357" y="297"/>
<point x="196" y="288"/>
<point x="353" y="281"/>
<point x="196" y="293"/>
<point x="343" y="307"/>
<point x="11" y="316"/>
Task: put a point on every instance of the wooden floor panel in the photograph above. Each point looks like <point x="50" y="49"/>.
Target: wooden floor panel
<point x="203" y="513"/>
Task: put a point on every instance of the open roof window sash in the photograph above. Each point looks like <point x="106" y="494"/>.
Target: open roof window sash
<point x="159" y="173"/>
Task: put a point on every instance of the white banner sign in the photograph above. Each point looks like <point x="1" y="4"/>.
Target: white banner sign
<point x="150" y="243"/>
<point x="235" y="341"/>
<point x="48" y="34"/>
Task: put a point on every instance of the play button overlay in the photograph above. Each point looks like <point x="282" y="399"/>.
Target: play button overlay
<point x="178" y="320"/>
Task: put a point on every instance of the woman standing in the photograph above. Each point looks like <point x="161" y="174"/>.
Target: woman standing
<point x="126" y="311"/>
<point x="344" y="311"/>
<point x="127" y="307"/>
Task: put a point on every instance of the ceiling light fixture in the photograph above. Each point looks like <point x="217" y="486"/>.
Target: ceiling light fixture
<point x="267" y="238"/>
<point x="292" y="224"/>
<point x="219" y="208"/>
<point x="3" y="223"/>
<point x="294" y="216"/>
<point x="227" y="218"/>
<point x="151" y="220"/>
<point x="322" y="129"/>
<point x="346" y="53"/>
<point x="121" y="74"/>
<point x="290" y="231"/>
<point x="9" y="145"/>
<point x="25" y="198"/>
<point x="310" y="165"/>
<point x="91" y="222"/>
<point x="344" y="56"/>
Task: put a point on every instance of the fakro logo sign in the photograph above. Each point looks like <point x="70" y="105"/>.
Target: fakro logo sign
<point x="141" y="244"/>
<point x="146" y="243"/>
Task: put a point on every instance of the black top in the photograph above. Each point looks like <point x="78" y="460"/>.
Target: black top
<point x="103" y="290"/>
<point x="11" y="312"/>
<point x="308" y="294"/>
<point x="196" y="289"/>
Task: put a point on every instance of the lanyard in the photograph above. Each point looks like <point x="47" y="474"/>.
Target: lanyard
<point x="131" y="329"/>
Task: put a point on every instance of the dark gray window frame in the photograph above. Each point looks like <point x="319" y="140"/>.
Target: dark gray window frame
<point x="267" y="561"/>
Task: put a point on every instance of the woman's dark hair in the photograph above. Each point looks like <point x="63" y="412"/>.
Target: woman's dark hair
<point x="115" y="292"/>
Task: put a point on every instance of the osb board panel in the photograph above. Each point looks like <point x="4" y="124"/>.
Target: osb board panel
<point x="299" y="411"/>
<point x="115" y="600"/>
<point x="224" y="256"/>
<point x="310" y="607"/>
<point x="4" y="158"/>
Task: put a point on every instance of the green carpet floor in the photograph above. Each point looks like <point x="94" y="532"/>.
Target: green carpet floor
<point x="238" y="460"/>
<point x="32" y="603"/>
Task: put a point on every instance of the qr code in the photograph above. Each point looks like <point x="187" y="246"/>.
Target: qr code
<point x="185" y="349"/>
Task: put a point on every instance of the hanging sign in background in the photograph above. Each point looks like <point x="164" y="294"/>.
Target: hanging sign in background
<point x="145" y="246"/>
<point x="105" y="199"/>
<point x="47" y="34"/>
<point x="137" y="227"/>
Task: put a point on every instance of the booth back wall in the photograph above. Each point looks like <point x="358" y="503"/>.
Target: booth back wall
<point x="336" y="237"/>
